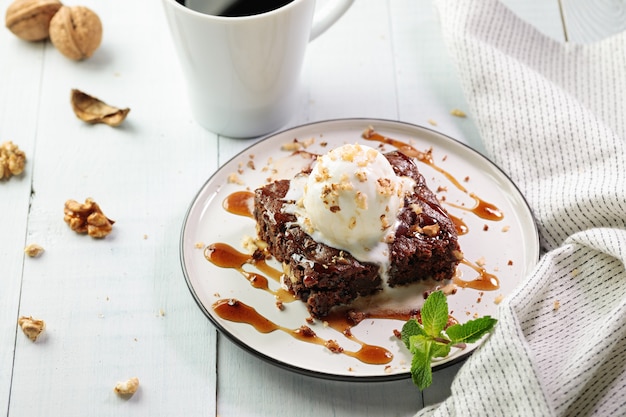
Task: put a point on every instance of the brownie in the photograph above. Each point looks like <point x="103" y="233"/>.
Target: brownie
<point x="425" y="246"/>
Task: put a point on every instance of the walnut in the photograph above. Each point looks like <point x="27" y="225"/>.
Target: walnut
<point x="76" y="32"/>
<point x="30" y="19"/>
<point x="128" y="387"/>
<point x="31" y="327"/>
<point x="92" y="110"/>
<point x="87" y="218"/>
<point x="33" y="250"/>
<point x="12" y="160"/>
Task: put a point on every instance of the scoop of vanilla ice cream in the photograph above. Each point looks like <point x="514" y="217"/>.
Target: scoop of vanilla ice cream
<point x="351" y="200"/>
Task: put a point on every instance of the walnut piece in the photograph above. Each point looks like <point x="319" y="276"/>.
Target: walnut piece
<point x="87" y="218"/>
<point x="76" y="32"/>
<point x="33" y="250"/>
<point x="30" y="19"/>
<point x="128" y="387"/>
<point x="92" y="110"/>
<point x="31" y="327"/>
<point x="12" y="160"/>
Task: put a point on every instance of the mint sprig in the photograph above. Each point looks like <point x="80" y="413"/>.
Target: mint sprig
<point x="432" y="339"/>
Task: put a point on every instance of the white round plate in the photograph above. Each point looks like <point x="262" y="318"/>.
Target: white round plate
<point x="508" y="248"/>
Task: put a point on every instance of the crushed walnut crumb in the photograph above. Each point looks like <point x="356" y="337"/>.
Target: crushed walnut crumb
<point x="34" y="250"/>
<point x="31" y="327"/>
<point x="128" y="387"/>
<point x="234" y="179"/>
<point x="457" y="113"/>
<point x="333" y="346"/>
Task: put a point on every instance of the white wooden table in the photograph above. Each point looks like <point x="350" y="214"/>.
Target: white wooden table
<point x="119" y="307"/>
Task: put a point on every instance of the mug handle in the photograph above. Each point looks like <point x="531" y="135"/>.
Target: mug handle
<point x="329" y="14"/>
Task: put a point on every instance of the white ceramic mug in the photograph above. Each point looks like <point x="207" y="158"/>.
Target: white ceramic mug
<point x="243" y="72"/>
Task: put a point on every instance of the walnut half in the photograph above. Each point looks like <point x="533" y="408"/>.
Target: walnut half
<point x="87" y="218"/>
<point x="12" y="160"/>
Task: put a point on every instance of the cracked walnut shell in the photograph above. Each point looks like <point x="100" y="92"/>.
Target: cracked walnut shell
<point x="12" y="160"/>
<point x="92" y="110"/>
<point x="30" y="19"/>
<point x="76" y="32"/>
<point x="87" y="218"/>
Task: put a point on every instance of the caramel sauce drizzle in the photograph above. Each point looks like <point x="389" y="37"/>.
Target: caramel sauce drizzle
<point x="481" y="208"/>
<point x="225" y="256"/>
<point x="484" y="282"/>
<point x="239" y="203"/>
<point x="237" y="311"/>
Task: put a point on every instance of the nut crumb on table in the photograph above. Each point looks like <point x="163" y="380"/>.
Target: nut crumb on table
<point x="34" y="250"/>
<point x="31" y="327"/>
<point x="128" y="387"/>
<point x="457" y="113"/>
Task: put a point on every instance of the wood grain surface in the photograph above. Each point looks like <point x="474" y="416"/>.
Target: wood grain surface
<point x="119" y="307"/>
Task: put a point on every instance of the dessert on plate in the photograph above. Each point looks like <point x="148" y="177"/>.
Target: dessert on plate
<point x="354" y="223"/>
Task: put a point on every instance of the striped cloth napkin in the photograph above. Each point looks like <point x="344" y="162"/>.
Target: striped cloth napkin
<point x="553" y="116"/>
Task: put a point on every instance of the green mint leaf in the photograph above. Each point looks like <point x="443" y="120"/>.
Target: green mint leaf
<point x="440" y="349"/>
<point x="411" y="328"/>
<point x="471" y="331"/>
<point x="435" y="314"/>
<point x="421" y="372"/>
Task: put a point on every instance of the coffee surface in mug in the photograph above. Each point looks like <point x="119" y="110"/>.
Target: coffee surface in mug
<point x="234" y="8"/>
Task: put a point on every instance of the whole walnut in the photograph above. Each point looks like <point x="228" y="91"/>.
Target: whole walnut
<point x="76" y="32"/>
<point x="30" y="19"/>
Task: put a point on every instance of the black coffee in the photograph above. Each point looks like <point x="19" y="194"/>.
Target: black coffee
<point x="236" y="8"/>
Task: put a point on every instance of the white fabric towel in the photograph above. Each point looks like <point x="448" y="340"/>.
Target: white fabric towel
<point x="553" y="116"/>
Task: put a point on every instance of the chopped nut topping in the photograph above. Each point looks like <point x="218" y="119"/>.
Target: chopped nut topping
<point x="431" y="230"/>
<point x="333" y="346"/>
<point x="31" y="327"/>
<point x="12" y="160"/>
<point x="234" y="179"/>
<point x="33" y="250"/>
<point x="87" y="218"/>
<point x="128" y="387"/>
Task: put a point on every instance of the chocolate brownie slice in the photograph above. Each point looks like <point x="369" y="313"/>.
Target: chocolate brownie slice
<point x="425" y="246"/>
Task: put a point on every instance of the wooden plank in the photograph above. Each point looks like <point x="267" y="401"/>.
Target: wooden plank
<point x="116" y="307"/>
<point x="590" y="21"/>
<point x="20" y="73"/>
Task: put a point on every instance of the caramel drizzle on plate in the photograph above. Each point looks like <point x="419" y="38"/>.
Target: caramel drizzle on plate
<point x="482" y="208"/>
